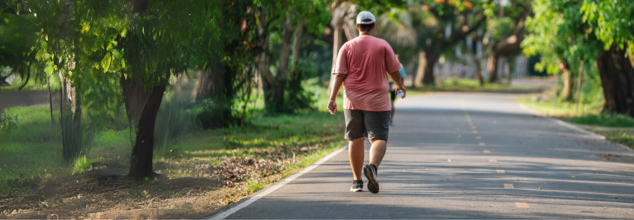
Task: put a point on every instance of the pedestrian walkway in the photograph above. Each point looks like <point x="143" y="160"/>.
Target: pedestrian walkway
<point x="468" y="155"/>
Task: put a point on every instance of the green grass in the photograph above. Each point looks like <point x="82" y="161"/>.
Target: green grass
<point x="624" y="138"/>
<point x="604" y="119"/>
<point x="587" y="113"/>
<point x="615" y="127"/>
<point x="82" y="164"/>
<point x="254" y="186"/>
<point x="286" y="130"/>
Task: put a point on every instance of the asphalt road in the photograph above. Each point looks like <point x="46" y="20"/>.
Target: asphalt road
<point x="468" y="155"/>
<point x="11" y="98"/>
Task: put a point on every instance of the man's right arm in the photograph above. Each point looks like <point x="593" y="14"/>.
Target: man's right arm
<point x="396" y="77"/>
<point x="336" y="86"/>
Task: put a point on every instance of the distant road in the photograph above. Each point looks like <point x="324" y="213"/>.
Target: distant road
<point x="544" y="82"/>
<point x="467" y="155"/>
<point x="11" y="98"/>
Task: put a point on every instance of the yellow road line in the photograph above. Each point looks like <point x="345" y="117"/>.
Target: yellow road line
<point x="521" y="205"/>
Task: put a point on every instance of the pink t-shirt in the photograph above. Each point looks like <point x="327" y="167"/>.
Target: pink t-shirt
<point x="365" y="60"/>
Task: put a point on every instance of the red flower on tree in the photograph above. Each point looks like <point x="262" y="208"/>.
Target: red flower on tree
<point x="468" y="5"/>
<point x="244" y="25"/>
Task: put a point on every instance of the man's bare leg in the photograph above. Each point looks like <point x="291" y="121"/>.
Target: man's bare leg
<point x="377" y="152"/>
<point x="356" y="154"/>
<point x="376" y="156"/>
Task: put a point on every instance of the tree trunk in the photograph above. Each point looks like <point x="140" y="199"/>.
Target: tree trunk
<point x="337" y="43"/>
<point x="266" y="78"/>
<point x="420" y="72"/>
<point x="425" y="72"/>
<point x="478" y="66"/>
<point x="143" y="150"/>
<point x="492" y="67"/>
<point x="297" y="40"/>
<point x="335" y="51"/>
<point x="50" y="99"/>
<point x="277" y="98"/>
<point x="142" y="106"/>
<point x="134" y="98"/>
<point x="210" y="82"/>
<point x="566" y="77"/>
<point x="617" y="80"/>
<point x="349" y="28"/>
<point x="287" y="34"/>
<point x="70" y="121"/>
<point x="27" y="72"/>
<point x="578" y="95"/>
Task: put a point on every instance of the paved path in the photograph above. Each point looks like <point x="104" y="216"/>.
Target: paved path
<point x="12" y="98"/>
<point x="461" y="155"/>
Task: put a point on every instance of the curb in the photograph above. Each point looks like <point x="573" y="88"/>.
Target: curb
<point x="571" y="126"/>
<point x="268" y="190"/>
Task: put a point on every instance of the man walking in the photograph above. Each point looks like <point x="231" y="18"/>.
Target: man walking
<point x="361" y="66"/>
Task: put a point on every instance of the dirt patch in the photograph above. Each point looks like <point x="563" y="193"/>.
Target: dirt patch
<point x="242" y="169"/>
<point x="238" y="170"/>
<point x="107" y="194"/>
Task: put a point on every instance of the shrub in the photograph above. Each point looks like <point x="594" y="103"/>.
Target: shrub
<point x="82" y="164"/>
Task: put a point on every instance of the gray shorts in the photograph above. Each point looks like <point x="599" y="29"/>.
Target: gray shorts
<point x="369" y="124"/>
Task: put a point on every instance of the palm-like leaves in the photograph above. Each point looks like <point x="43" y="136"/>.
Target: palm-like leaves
<point x="396" y="26"/>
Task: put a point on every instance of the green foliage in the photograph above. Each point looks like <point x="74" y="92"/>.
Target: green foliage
<point x="110" y="139"/>
<point x="612" y="22"/>
<point x="82" y="164"/>
<point x="431" y="17"/>
<point x="561" y="32"/>
<point x="17" y="37"/>
<point x="7" y="122"/>
<point x="206" y="113"/>
<point x="558" y="34"/>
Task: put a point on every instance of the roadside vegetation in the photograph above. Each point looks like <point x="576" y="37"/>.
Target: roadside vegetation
<point x="180" y="107"/>
<point x="588" y="115"/>
<point x="243" y="159"/>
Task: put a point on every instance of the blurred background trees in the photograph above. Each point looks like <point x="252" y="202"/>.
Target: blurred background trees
<point x="592" y="35"/>
<point x="162" y="68"/>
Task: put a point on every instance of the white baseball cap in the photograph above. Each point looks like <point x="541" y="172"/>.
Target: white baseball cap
<point x="365" y="17"/>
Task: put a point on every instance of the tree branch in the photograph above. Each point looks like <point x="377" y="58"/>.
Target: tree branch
<point x="459" y="35"/>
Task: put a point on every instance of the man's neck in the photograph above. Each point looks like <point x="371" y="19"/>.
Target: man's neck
<point x="363" y="33"/>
